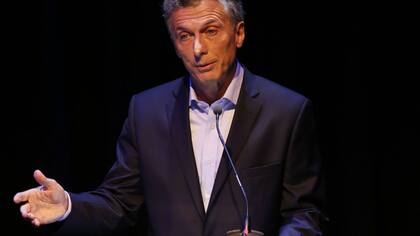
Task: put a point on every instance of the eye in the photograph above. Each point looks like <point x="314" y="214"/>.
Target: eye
<point x="211" y="31"/>
<point x="183" y="36"/>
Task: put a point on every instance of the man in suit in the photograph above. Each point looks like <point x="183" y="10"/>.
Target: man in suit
<point x="171" y="162"/>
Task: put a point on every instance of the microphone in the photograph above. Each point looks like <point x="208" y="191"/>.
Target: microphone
<point x="217" y="110"/>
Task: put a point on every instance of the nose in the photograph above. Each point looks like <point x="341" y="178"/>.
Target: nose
<point x="200" y="48"/>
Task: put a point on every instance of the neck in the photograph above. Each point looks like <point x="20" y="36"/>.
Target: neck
<point x="212" y="90"/>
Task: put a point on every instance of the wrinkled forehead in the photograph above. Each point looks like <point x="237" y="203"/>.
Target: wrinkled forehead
<point x="195" y="3"/>
<point x="208" y="10"/>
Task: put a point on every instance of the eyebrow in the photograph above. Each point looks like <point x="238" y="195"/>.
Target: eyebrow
<point x="205" y="24"/>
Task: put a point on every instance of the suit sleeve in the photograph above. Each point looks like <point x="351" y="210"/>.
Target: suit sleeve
<point x="302" y="195"/>
<point x="115" y="204"/>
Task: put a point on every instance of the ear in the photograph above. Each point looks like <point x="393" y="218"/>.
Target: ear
<point x="240" y="34"/>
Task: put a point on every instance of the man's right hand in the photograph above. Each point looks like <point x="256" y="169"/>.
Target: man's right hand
<point x="44" y="204"/>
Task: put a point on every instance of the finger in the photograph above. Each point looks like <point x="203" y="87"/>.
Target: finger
<point x="21" y="197"/>
<point x="41" y="179"/>
<point x="36" y="222"/>
<point x="25" y="210"/>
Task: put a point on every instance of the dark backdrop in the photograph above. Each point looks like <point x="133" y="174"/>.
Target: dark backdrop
<point x="72" y="66"/>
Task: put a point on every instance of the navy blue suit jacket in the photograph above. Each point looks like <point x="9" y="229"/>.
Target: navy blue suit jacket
<point x="272" y="142"/>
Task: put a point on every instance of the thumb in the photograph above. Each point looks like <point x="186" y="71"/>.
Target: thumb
<point x="41" y="179"/>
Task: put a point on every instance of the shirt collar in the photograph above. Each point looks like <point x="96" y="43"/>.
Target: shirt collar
<point x="232" y="92"/>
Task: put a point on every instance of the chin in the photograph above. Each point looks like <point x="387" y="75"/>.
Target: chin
<point x="207" y="77"/>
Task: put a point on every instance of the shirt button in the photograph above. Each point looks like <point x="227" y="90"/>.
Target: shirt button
<point x="212" y="126"/>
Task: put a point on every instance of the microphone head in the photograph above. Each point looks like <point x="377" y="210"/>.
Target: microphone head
<point x="217" y="109"/>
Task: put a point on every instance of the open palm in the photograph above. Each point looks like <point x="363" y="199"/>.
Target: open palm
<point x="44" y="204"/>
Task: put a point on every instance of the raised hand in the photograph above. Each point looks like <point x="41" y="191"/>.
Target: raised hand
<point x="44" y="204"/>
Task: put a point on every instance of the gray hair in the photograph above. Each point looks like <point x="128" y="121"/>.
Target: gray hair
<point x="233" y="7"/>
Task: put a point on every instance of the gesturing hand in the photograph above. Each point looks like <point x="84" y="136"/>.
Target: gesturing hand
<point x="44" y="204"/>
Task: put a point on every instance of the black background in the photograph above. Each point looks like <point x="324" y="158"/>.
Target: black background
<point x="72" y="66"/>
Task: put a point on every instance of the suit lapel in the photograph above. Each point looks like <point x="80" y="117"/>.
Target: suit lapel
<point x="178" y="117"/>
<point x="246" y="112"/>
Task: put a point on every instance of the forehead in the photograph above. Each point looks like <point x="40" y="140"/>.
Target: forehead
<point x="203" y="12"/>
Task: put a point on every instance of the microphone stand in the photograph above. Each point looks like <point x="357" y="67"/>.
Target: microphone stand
<point x="217" y="109"/>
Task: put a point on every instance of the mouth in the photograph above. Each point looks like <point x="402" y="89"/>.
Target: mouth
<point x="205" y="67"/>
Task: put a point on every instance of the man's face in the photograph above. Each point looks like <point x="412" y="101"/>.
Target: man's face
<point x="206" y="39"/>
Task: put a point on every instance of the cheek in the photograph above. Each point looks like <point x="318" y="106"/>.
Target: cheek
<point x="228" y="48"/>
<point x="181" y="50"/>
<point x="228" y="54"/>
<point x="184" y="56"/>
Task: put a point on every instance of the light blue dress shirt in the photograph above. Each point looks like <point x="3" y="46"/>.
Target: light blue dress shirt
<point x="207" y="147"/>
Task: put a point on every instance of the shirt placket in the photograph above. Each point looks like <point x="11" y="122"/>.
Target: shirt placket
<point x="209" y="155"/>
